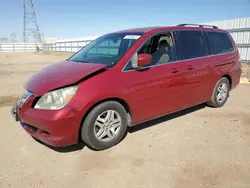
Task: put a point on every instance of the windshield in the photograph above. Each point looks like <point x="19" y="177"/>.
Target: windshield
<point x="108" y="49"/>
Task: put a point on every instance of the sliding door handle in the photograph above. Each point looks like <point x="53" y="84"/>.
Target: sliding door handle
<point x="174" y="70"/>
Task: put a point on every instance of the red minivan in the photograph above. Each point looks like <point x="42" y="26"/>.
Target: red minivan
<point x="125" y="78"/>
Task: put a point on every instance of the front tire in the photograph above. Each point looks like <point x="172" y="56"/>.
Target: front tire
<point x="104" y="126"/>
<point x="220" y="93"/>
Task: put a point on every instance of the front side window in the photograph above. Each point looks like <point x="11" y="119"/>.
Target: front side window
<point x="161" y="47"/>
<point x="108" y="49"/>
<point x="190" y="44"/>
<point x="221" y="43"/>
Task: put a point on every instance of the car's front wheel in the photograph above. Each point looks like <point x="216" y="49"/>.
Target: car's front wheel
<point x="105" y="125"/>
<point x="220" y="93"/>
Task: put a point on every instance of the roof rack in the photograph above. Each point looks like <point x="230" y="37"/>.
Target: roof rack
<point x="200" y="25"/>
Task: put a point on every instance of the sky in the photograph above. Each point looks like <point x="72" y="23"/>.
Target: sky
<point x="66" y="19"/>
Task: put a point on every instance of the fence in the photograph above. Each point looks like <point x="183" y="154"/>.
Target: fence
<point x="19" y="47"/>
<point x="242" y="38"/>
<point x="68" y="46"/>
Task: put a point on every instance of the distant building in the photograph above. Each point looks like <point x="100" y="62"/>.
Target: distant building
<point x="50" y="39"/>
<point x="86" y="38"/>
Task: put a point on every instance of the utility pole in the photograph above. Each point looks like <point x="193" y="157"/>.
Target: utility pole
<point x="30" y="25"/>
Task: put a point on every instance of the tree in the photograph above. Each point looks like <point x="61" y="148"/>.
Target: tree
<point x="4" y="39"/>
<point x="13" y="37"/>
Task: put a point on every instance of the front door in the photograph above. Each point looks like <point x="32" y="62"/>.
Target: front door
<point x="159" y="88"/>
<point x="154" y="91"/>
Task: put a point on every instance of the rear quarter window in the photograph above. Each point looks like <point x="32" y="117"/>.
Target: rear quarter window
<point x="220" y="42"/>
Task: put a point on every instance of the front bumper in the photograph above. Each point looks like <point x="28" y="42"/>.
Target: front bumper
<point x="57" y="128"/>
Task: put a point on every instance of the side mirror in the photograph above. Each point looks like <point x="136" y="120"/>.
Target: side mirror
<point x="144" y="59"/>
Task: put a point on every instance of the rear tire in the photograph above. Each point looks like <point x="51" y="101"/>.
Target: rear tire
<point x="104" y="126"/>
<point x="220" y="93"/>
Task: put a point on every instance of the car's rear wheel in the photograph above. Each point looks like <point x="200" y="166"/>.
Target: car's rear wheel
<point x="220" y="93"/>
<point x="105" y="125"/>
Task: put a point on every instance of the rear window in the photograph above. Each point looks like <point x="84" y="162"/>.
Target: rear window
<point x="221" y="42"/>
<point x="191" y="44"/>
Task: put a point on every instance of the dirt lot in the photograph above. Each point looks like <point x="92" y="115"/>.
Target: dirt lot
<point x="246" y="70"/>
<point x="198" y="147"/>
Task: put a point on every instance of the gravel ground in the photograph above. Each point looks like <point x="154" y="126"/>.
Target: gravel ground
<point x="246" y="70"/>
<point x="198" y="147"/>
<point x="16" y="68"/>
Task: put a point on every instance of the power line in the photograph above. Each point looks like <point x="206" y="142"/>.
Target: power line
<point x="31" y="32"/>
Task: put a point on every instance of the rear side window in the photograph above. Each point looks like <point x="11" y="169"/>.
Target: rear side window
<point x="221" y="42"/>
<point x="191" y="44"/>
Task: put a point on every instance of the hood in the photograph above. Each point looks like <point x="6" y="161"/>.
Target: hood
<point x="59" y="75"/>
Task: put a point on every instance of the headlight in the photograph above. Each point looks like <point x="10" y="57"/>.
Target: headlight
<point x="57" y="99"/>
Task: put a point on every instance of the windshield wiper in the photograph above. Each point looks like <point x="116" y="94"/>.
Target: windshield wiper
<point x="79" y="61"/>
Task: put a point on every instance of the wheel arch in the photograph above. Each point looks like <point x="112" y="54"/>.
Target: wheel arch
<point x="229" y="79"/>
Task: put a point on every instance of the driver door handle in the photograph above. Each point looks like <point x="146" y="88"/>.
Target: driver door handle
<point x="190" y="67"/>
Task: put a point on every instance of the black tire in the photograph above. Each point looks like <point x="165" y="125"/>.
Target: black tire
<point x="87" y="130"/>
<point x="214" y="102"/>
